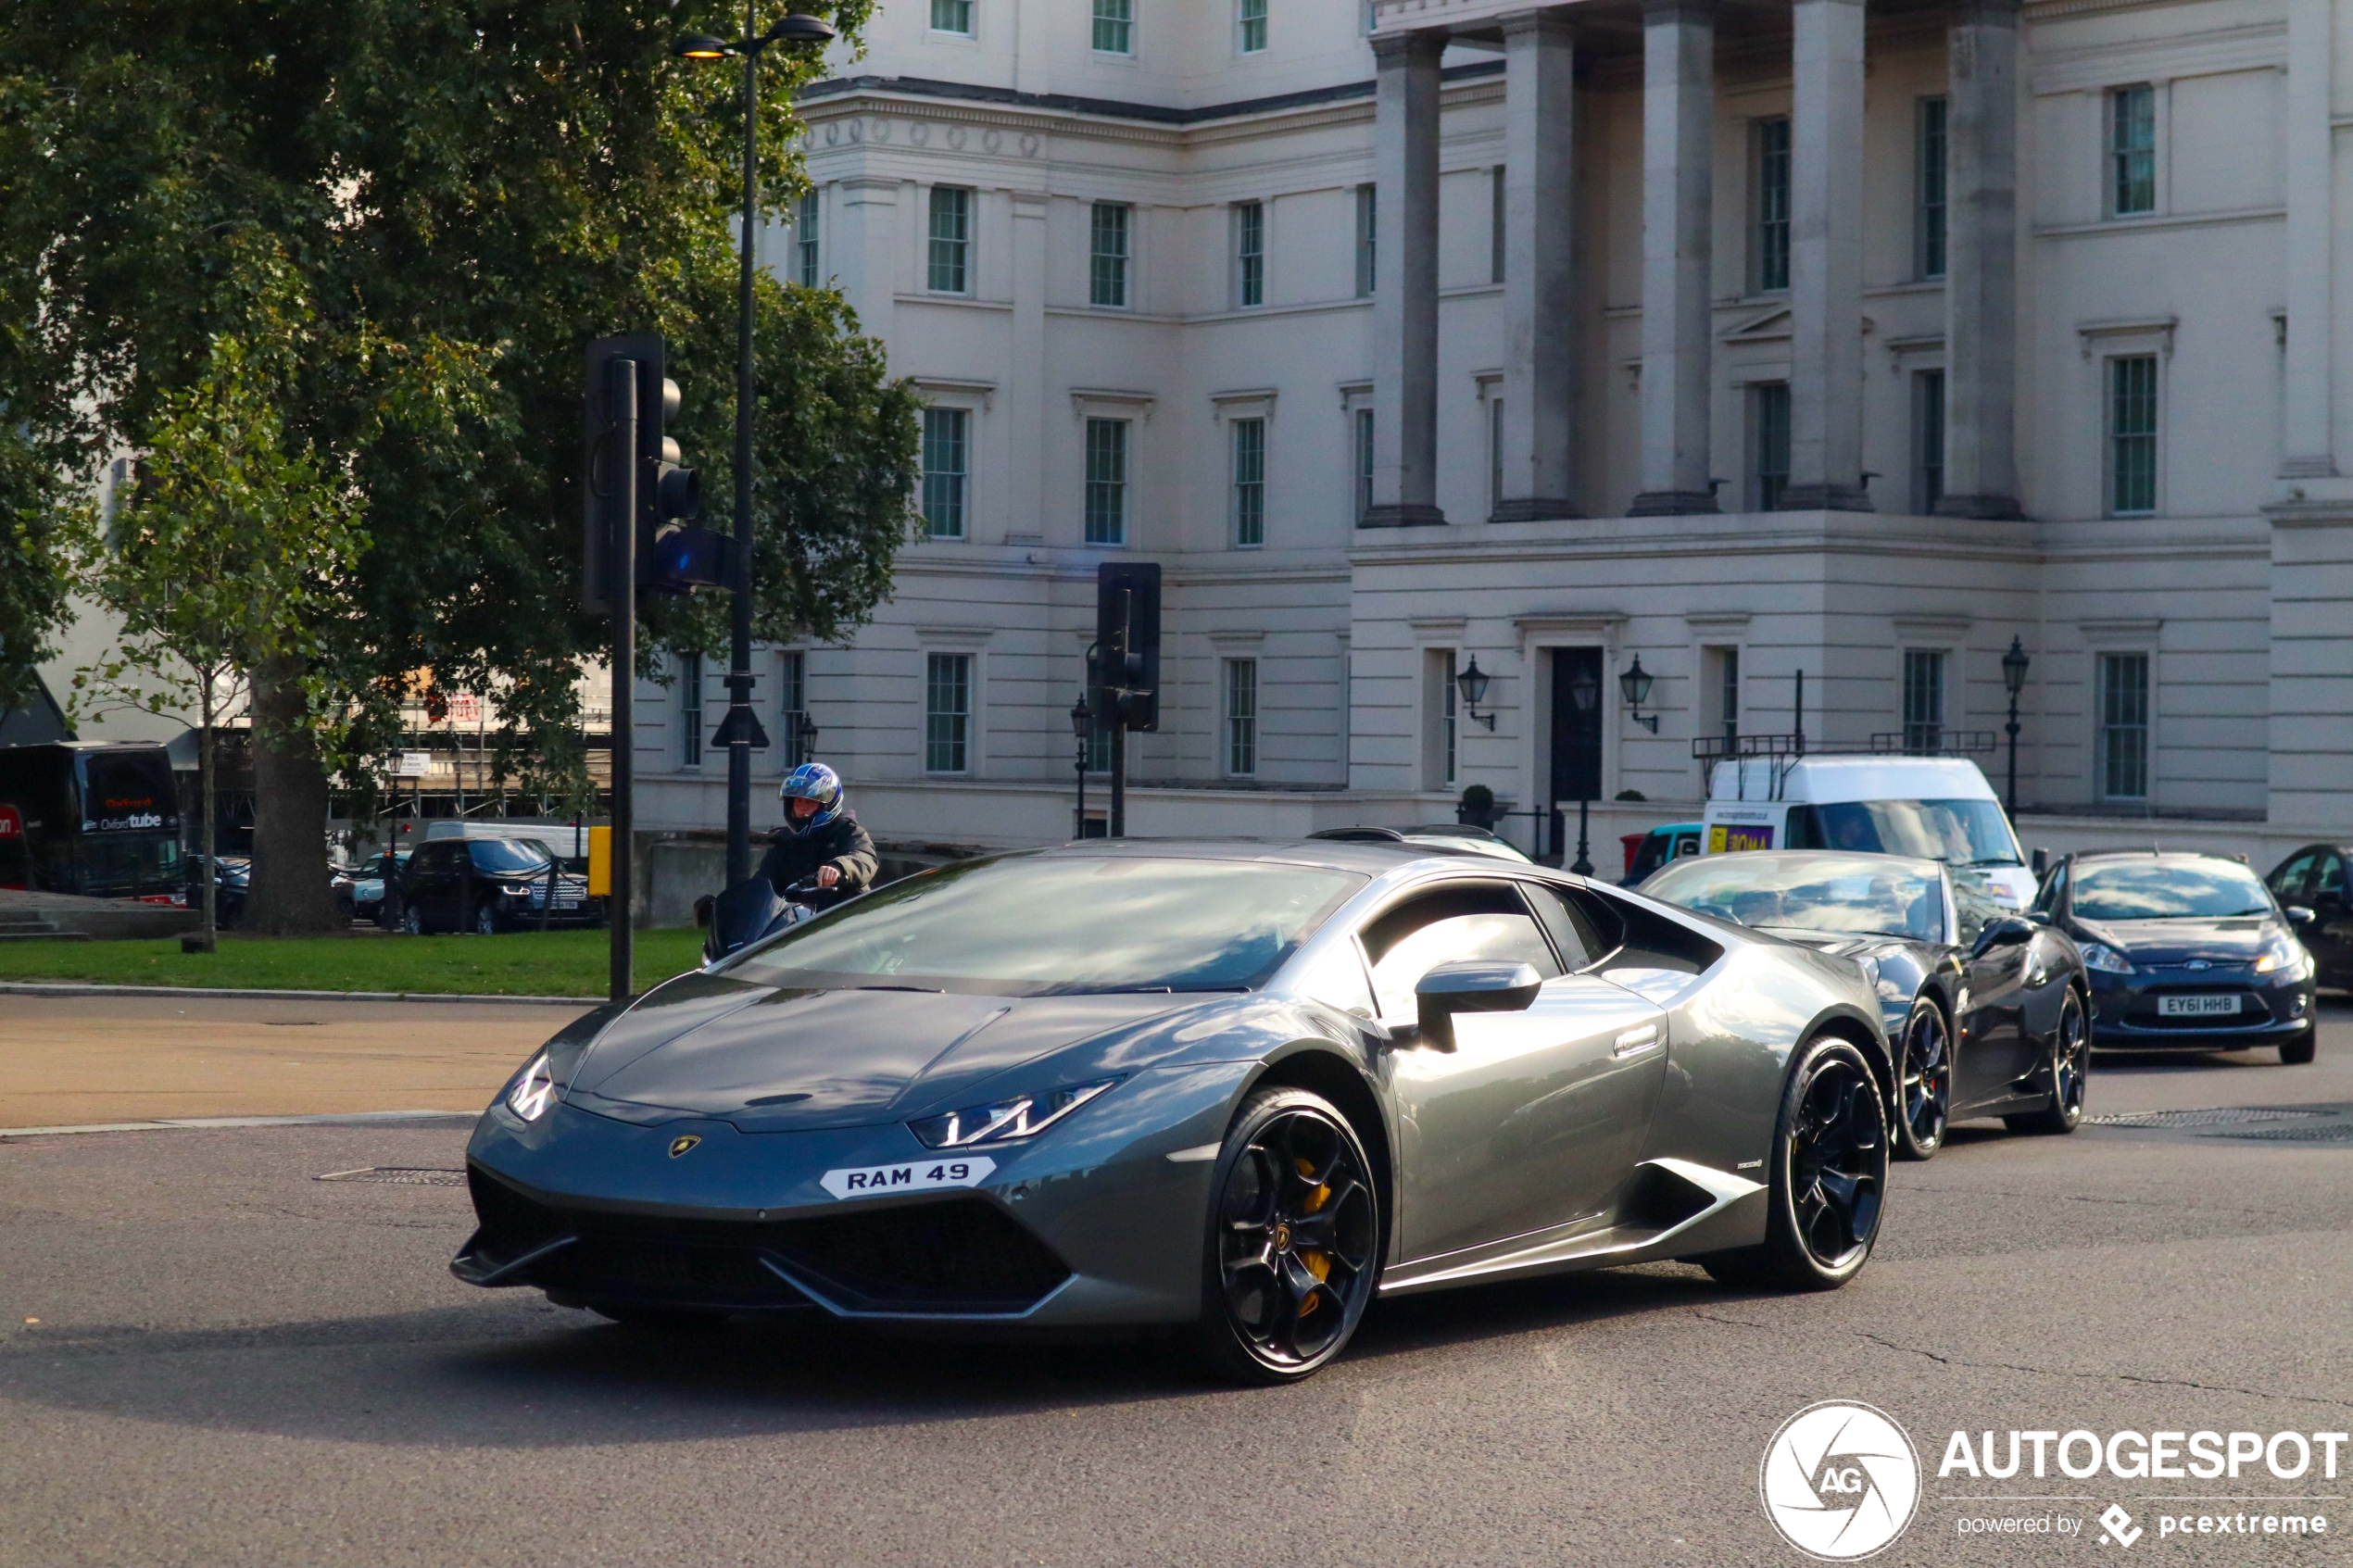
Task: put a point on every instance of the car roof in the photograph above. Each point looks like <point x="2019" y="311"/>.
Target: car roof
<point x="2176" y="856"/>
<point x="1366" y="857"/>
<point x="1918" y="864"/>
<point x="1822" y="779"/>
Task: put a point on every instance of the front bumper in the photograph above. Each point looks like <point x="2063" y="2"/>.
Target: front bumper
<point x="2125" y="1013"/>
<point x="1090" y="1225"/>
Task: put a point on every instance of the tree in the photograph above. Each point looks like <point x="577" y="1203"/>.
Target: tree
<point x="468" y="193"/>
<point x="218" y="560"/>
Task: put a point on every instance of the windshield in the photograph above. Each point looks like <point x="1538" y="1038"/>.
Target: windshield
<point x="1967" y="833"/>
<point x="507" y="855"/>
<point x="1848" y="894"/>
<point x="1023" y="925"/>
<point x="2168" y="890"/>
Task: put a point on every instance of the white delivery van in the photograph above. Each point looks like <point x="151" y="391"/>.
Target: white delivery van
<point x="1940" y="808"/>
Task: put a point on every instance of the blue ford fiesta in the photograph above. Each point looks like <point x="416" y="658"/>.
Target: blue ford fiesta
<point x="2184" y="951"/>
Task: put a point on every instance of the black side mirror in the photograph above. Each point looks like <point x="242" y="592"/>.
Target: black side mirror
<point x="2008" y="931"/>
<point x="1471" y="985"/>
<point x="2298" y="915"/>
<point x="2042" y="862"/>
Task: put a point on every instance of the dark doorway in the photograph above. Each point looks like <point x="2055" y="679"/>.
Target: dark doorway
<point x="1577" y="726"/>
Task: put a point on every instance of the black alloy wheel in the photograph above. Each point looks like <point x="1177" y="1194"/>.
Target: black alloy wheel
<point x="1828" y="1176"/>
<point x="1294" y="1240"/>
<point x="1925" y="1086"/>
<point x="2065" y="1066"/>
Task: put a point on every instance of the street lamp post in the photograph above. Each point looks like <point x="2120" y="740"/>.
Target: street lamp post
<point x="1082" y="725"/>
<point x="740" y="731"/>
<point x="2014" y="666"/>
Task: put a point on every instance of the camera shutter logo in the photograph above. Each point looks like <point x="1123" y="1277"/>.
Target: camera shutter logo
<point x="1840" y="1480"/>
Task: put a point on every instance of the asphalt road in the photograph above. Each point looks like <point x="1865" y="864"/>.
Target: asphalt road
<point x="238" y="1364"/>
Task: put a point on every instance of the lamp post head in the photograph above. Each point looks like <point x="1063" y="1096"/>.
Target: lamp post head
<point x="1472" y="683"/>
<point x="1635" y="684"/>
<point x="800" y="29"/>
<point x="701" y="47"/>
<point x="1082" y="722"/>
<point x="2014" y="666"/>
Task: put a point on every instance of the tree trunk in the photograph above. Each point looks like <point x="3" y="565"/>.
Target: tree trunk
<point x="292" y="892"/>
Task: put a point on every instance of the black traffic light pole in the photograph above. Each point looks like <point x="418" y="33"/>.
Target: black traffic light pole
<point x="741" y="726"/>
<point x="622" y="590"/>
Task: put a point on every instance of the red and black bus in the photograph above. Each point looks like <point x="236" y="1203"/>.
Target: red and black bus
<point x="91" y="818"/>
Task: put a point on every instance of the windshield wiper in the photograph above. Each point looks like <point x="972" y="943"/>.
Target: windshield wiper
<point x="932" y="990"/>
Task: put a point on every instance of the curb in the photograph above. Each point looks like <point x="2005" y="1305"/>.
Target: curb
<point x="183" y="1123"/>
<point x="67" y="989"/>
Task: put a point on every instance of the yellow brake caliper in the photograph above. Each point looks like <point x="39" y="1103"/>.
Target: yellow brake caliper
<point x="1318" y="1263"/>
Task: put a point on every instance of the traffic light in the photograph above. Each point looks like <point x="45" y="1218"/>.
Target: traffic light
<point x="1127" y="671"/>
<point x="672" y="556"/>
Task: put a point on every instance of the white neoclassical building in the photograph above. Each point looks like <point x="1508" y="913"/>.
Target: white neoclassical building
<point x="1743" y="339"/>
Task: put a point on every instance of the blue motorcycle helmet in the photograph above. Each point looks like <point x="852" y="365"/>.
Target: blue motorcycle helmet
<point x="811" y="781"/>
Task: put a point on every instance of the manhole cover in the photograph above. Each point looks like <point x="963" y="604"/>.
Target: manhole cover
<point x="398" y="1175"/>
<point x="2333" y="1132"/>
<point x="2227" y="1115"/>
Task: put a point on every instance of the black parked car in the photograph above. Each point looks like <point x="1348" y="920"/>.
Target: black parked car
<point x="2314" y="878"/>
<point x="234" y="881"/>
<point x="1985" y="1008"/>
<point x="486" y="885"/>
<point x="2185" y="951"/>
<point x="359" y="890"/>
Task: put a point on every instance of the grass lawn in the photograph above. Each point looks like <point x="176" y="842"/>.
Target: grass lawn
<point x="553" y="963"/>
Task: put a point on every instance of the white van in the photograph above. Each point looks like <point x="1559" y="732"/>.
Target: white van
<point x="1939" y="808"/>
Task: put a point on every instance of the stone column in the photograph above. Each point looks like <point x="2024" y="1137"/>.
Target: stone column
<point x="1678" y="124"/>
<point x="1405" y="281"/>
<point x="1540" y="335"/>
<point x="1826" y="260"/>
<point x="1981" y="262"/>
<point x="1025" y="381"/>
<point x="2307" y="432"/>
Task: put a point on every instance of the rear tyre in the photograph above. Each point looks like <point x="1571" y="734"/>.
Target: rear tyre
<point x="1828" y="1176"/>
<point x="1294" y="1241"/>
<point x="1924" y="1085"/>
<point x="2297" y="1052"/>
<point x="2066" y="1067"/>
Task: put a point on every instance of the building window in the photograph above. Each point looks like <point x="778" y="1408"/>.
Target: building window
<point x="2132" y="148"/>
<point x="1361" y="462"/>
<point x="1106" y="481"/>
<point x="792" y="705"/>
<point x="1495" y="226"/>
<point x="2132" y="433"/>
<point x="951" y="235"/>
<point x="1441" y="762"/>
<point x="1770" y="466"/>
<point x="690" y="710"/>
<point x="1241" y="716"/>
<point x="952" y="16"/>
<point x="2125" y="726"/>
<point x="1494" y="454"/>
<point x="1931" y="184"/>
<point x="805" y="239"/>
<point x="946" y="466"/>
<point x="1107" y="255"/>
<point x="1772" y="205"/>
<point x="1114" y="26"/>
<point x="1250" y="252"/>
<point x="1928" y="440"/>
<point x="1924" y="700"/>
<point x="1249" y="482"/>
<point x="1367" y="234"/>
<point x="1101" y="738"/>
<point x="947" y="707"/>
<point x="1251" y="17"/>
<point x="1720" y="696"/>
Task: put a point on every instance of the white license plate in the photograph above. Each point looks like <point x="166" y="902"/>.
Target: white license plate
<point x="921" y="1176"/>
<point x="2197" y="1007"/>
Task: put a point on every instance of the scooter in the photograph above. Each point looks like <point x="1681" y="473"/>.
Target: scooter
<point x="749" y="912"/>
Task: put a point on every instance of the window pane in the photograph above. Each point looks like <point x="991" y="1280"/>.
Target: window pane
<point x="1772" y="203"/>
<point x="1494" y="454"/>
<point x="1250" y="253"/>
<point x="1250" y="481"/>
<point x="1932" y="187"/>
<point x="1772" y="443"/>
<point x="1253" y="26"/>
<point x="1924" y="700"/>
<point x="1364" y="462"/>
<point x="946" y="450"/>
<point x="2132" y="433"/>
<point x="1495" y="226"/>
<point x="951" y="238"/>
<point x="792" y="705"/>
<point x="2124" y="725"/>
<point x="805" y="238"/>
<point x="1107" y="255"/>
<point x="690" y="710"/>
<point x="947" y="711"/>
<point x="1367" y="233"/>
<point x="1241" y="716"/>
<point x="951" y="15"/>
<point x="2133" y="148"/>
<point x="1106" y="481"/>
<point x="1928" y="401"/>
<point x="1448" y="697"/>
<point x="1114" y="22"/>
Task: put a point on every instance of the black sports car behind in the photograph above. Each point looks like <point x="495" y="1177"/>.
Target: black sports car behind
<point x="1985" y="1009"/>
<point x="2315" y="879"/>
<point x="2185" y="951"/>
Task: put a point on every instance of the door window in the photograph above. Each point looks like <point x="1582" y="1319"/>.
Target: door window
<point x="1469" y="920"/>
<point x="1975" y="907"/>
<point x="2287" y="883"/>
<point x="2328" y="880"/>
<point x="1571" y="928"/>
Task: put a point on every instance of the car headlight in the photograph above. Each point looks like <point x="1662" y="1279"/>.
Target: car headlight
<point x="2100" y="956"/>
<point x="2281" y="952"/>
<point x="533" y="1090"/>
<point x="515" y="889"/>
<point x="1024" y="1116"/>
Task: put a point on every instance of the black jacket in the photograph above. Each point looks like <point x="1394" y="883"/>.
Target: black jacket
<point x="840" y="844"/>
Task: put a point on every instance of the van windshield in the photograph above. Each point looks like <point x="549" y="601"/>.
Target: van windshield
<point x="1965" y="832"/>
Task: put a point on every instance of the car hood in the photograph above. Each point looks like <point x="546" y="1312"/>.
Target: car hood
<point x="775" y="1060"/>
<point x="2234" y="941"/>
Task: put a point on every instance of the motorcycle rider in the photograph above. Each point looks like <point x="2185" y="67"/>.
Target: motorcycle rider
<point x="820" y="838"/>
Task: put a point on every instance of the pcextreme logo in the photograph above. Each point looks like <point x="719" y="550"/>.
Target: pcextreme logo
<point x="1840" y="1480"/>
